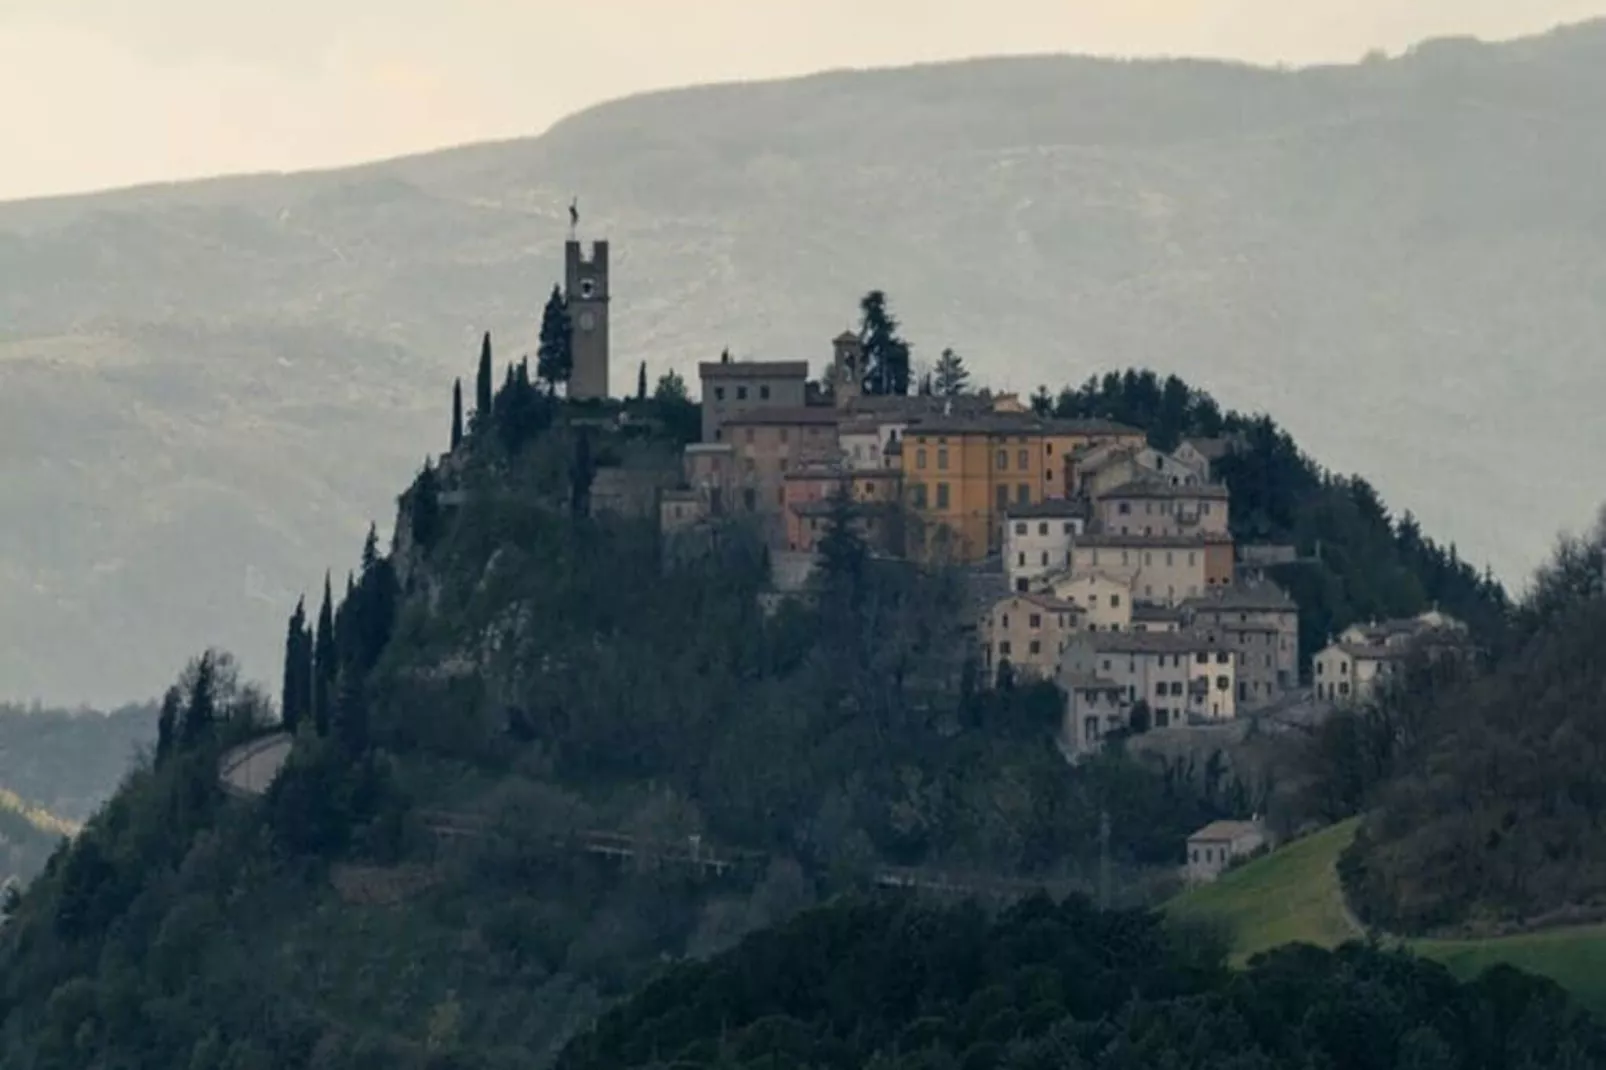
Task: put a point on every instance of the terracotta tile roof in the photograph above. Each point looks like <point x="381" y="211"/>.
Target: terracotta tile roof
<point x="1149" y="542"/>
<point x="1052" y="508"/>
<point x="1080" y="681"/>
<point x="753" y="369"/>
<point x="1246" y="597"/>
<point x="1157" y="487"/>
<point x="1222" y="831"/>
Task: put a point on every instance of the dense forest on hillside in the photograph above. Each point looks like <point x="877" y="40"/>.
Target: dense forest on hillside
<point x="538" y="671"/>
<point x="894" y="985"/>
<point x="1363" y="563"/>
<point x="1484" y="777"/>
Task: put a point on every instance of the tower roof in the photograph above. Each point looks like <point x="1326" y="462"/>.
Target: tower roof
<point x="845" y="337"/>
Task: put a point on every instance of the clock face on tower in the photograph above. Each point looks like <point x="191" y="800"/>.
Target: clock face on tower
<point x="588" y="321"/>
<point x="588" y="287"/>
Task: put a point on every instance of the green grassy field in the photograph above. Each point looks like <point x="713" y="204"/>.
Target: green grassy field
<point x="1292" y="895"/>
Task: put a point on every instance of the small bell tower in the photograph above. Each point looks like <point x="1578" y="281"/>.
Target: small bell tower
<point x="847" y="368"/>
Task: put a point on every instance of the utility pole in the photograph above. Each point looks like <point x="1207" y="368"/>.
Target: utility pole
<point x="1104" y="860"/>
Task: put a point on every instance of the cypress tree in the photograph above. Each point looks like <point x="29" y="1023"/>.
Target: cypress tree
<point x="641" y="382"/>
<point x="482" y="386"/>
<point x="370" y="550"/>
<point x="554" y="357"/>
<point x="457" y="414"/>
<point x="324" y="662"/>
<point x="351" y="715"/>
<point x="294" y="692"/>
<point x="167" y="721"/>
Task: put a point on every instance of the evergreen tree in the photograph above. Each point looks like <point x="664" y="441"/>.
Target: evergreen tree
<point x="554" y="357"/>
<point x="843" y="552"/>
<point x="457" y="414"/>
<point x="370" y="549"/>
<point x="294" y="695"/>
<point x="201" y="709"/>
<point x="641" y="382"/>
<point x="424" y="507"/>
<point x="482" y="385"/>
<point x="167" y="722"/>
<point x="325" y="660"/>
<point x="951" y="377"/>
<point x="351" y="714"/>
<point x="886" y="355"/>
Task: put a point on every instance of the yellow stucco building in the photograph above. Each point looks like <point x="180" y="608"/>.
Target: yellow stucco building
<point x="962" y="474"/>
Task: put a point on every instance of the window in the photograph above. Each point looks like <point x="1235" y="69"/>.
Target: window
<point x="1025" y="459"/>
<point x="1045" y="559"/>
<point x="719" y="393"/>
<point x="1042" y="529"/>
<point x="917" y="495"/>
<point x="1202" y="658"/>
<point x="1222" y="683"/>
<point x="1124" y="508"/>
<point x="1002" y="497"/>
<point x="1159" y="689"/>
<point x="1003" y="460"/>
<point x="920" y="459"/>
<point x="764" y="393"/>
<point x="1069" y="528"/>
<point x="1020" y="528"/>
<point x="1048" y="477"/>
<point x="1034" y="647"/>
<point x="1020" y="559"/>
<point x="1005" y="621"/>
<point x="1090" y="729"/>
<point x="1224" y="658"/>
<point x="942" y="495"/>
<point x="869" y="490"/>
<point x="1343" y="688"/>
<point x="1003" y="649"/>
<point x="1023" y="494"/>
<point x="1035" y="620"/>
<point x="1196" y="854"/>
<point x="1021" y="585"/>
<point x="741" y="393"/>
<point x="1176" y="687"/>
<point x="942" y="458"/>
<point x="1115" y="601"/>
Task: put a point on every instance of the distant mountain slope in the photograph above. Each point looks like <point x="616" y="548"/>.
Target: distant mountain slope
<point x="206" y="389"/>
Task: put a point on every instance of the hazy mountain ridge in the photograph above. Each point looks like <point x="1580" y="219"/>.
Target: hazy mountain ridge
<point x="1385" y="256"/>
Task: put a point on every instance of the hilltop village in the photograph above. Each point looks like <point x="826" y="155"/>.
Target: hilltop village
<point x="1093" y="559"/>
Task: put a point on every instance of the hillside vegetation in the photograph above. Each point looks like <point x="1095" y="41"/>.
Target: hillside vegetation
<point x="206" y="387"/>
<point x="518" y="677"/>
<point x="903" y="987"/>
<point x="1488" y="815"/>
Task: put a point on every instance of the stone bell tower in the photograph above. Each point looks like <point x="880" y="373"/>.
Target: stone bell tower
<point x="585" y="285"/>
<point x="847" y="368"/>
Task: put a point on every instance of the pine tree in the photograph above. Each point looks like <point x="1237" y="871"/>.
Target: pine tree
<point x="482" y="385"/>
<point x="294" y="692"/>
<point x="641" y="382"/>
<point x="325" y="660"/>
<point x="951" y="377"/>
<point x="844" y="554"/>
<point x="457" y="414"/>
<point x="554" y="357"/>
<point x="886" y="354"/>
<point x="370" y="549"/>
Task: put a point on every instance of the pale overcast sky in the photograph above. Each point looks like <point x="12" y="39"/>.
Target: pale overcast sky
<point x="97" y="93"/>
